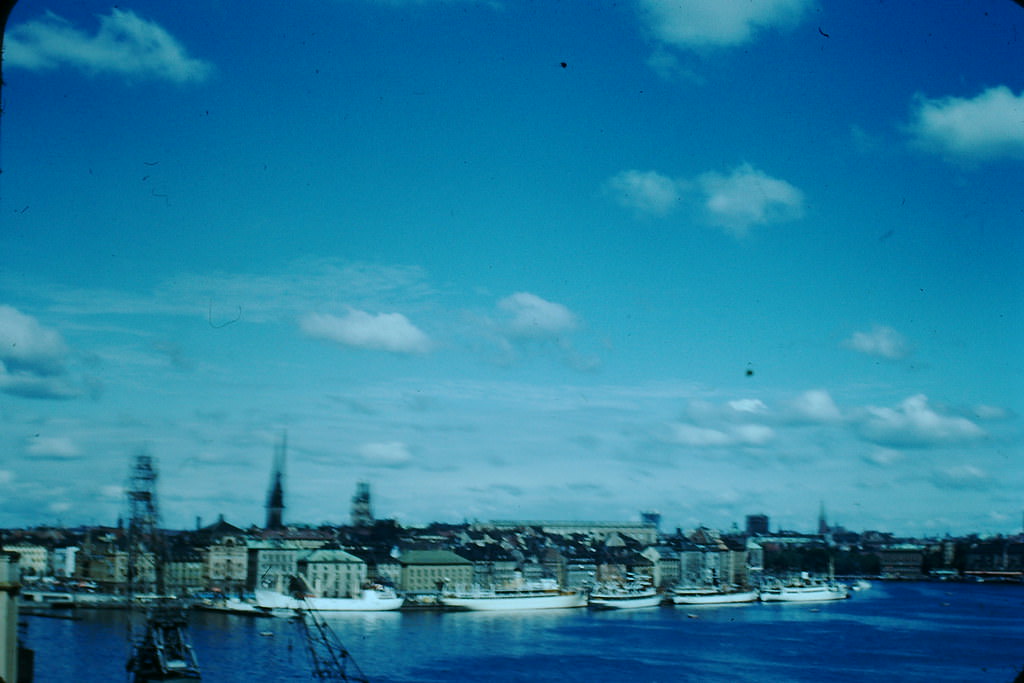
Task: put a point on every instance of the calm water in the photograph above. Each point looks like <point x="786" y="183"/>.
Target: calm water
<point x="905" y="632"/>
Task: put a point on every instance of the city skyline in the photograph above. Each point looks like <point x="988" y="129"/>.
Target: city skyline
<point x="549" y="262"/>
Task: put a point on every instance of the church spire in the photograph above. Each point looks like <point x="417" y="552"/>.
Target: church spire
<point x="275" y="498"/>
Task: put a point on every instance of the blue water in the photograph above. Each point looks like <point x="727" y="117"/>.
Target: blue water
<point x="894" y="631"/>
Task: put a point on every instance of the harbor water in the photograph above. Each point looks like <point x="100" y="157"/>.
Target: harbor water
<point x="892" y="631"/>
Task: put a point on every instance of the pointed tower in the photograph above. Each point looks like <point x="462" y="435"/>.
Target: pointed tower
<point x="275" y="497"/>
<point x="822" y="521"/>
<point x="362" y="512"/>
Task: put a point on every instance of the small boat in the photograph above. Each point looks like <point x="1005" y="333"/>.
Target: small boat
<point x="372" y="599"/>
<point x="712" y="595"/>
<point x="804" y="589"/>
<point x="623" y="596"/>
<point x="543" y="594"/>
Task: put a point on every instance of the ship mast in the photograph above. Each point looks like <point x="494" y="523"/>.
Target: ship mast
<point x="163" y="652"/>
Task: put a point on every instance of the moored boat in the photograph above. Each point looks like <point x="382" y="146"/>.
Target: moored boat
<point x="623" y="596"/>
<point x="375" y="599"/>
<point x="544" y="594"/>
<point x="804" y="589"/>
<point x="712" y="595"/>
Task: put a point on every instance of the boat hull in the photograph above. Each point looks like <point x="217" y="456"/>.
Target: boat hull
<point x="506" y="603"/>
<point x="369" y="601"/>
<point x="715" y="598"/>
<point x="804" y="594"/>
<point x="624" y="602"/>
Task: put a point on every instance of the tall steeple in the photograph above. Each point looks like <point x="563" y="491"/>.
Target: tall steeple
<point x="362" y="511"/>
<point x="822" y="521"/>
<point x="275" y="498"/>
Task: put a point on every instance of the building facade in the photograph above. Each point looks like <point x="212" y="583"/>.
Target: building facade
<point x="427" y="571"/>
<point x="332" y="573"/>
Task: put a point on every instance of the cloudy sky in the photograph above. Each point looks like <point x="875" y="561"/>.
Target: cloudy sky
<point x="547" y="260"/>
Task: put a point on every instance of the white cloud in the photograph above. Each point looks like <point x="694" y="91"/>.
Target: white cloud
<point x="691" y="435"/>
<point x="984" y="412"/>
<point x="914" y="423"/>
<point x="736" y="201"/>
<point x="28" y="385"/>
<point x="388" y="454"/>
<point x="124" y="44"/>
<point x="816" y="405"/>
<point x="59" y="447"/>
<point x="6" y="477"/>
<point x="753" y="434"/>
<point x="32" y="358"/>
<point x="881" y="341"/>
<point x="384" y="331"/>
<point x="27" y="345"/>
<point x="986" y="127"/>
<point x="717" y="23"/>
<point x="748" y="405"/>
<point x="645" y="191"/>
<point x="534" y="317"/>
<point x="747" y="197"/>
<point x="733" y="435"/>
<point x="884" y="457"/>
<point x="961" y="477"/>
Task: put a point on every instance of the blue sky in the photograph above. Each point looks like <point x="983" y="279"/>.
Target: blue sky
<point x="564" y="260"/>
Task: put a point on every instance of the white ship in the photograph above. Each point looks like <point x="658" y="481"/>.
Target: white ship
<point x="544" y="594"/>
<point x="374" y="599"/>
<point x="712" y="595"/>
<point x="804" y="589"/>
<point x="623" y="596"/>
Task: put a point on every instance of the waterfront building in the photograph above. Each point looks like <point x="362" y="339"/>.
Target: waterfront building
<point x="332" y="573"/>
<point x="755" y="560"/>
<point x="105" y="561"/>
<point x="552" y="560"/>
<point x="706" y="557"/>
<point x="665" y="565"/>
<point x="426" y="571"/>
<point x="580" y="572"/>
<point x="901" y="561"/>
<point x="63" y="561"/>
<point x="492" y="564"/>
<point x="33" y="559"/>
<point x="735" y="569"/>
<point x="532" y="571"/>
<point x="381" y="567"/>
<point x="644" y="532"/>
<point x="996" y="558"/>
<point x="225" y="556"/>
<point x="271" y="562"/>
<point x="619" y="557"/>
<point x="183" y="570"/>
<point x="691" y="562"/>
